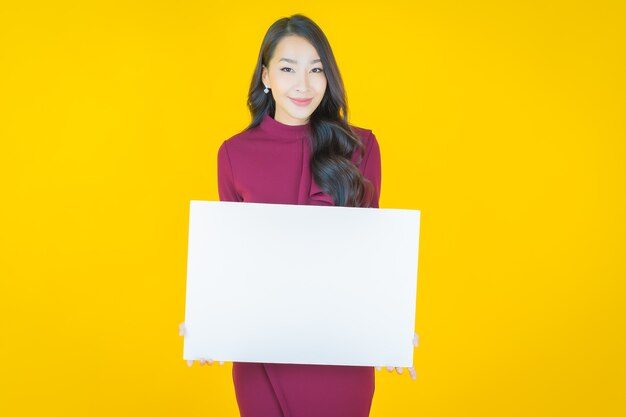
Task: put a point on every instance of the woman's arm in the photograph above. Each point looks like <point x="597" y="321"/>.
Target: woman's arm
<point x="372" y="167"/>
<point x="225" y="179"/>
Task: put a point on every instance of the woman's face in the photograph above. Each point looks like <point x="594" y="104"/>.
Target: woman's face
<point x="295" y="72"/>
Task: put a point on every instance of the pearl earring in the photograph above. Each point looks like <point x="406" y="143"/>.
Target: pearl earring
<point x="266" y="90"/>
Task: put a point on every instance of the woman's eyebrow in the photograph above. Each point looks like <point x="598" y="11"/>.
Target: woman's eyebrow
<point x="293" y="61"/>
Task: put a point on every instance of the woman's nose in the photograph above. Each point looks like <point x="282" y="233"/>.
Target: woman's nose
<point x="303" y="82"/>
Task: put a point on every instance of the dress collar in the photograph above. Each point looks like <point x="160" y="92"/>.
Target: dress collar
<point x="280" y="130"/>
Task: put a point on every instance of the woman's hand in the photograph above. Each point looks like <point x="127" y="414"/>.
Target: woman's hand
<point x="400" y="370"/>
<point x="181" y="332"/>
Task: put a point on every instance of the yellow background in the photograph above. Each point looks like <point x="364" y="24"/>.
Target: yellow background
<point x="503" y="122"/>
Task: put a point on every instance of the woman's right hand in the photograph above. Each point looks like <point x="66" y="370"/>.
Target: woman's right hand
<point x="181" y="332"/>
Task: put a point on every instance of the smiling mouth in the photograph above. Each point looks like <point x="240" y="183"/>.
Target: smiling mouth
<point x="301" y="102"/>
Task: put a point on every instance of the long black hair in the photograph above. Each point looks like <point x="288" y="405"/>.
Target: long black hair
<point x="332" y="138"/>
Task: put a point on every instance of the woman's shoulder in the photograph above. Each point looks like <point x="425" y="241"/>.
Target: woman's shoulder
<point x="240" y="140"/>
<point x="240" y="136"/>
<point x="231" y="144"/>
<point x="362" y="131"/>
<point x="368" y="138"/>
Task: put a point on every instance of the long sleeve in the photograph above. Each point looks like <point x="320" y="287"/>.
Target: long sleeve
<point x="372" y="168"/>
<point x="225" y="179"/>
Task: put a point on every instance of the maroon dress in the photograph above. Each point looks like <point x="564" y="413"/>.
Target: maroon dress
<point x="270" y="164"/>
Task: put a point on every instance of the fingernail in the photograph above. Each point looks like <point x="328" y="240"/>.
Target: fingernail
<point x="399" y="370"/>
<point x="378" y="368"/>
<point x="189" y="363"/>
<point x="221" y="362"/>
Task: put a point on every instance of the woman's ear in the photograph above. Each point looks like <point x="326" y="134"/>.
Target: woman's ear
<point x="264" y="76"/>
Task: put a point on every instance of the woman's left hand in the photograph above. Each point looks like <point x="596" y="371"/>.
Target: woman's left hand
<point x="399" y="370"/>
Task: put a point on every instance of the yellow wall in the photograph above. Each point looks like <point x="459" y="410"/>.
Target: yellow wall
<point x="502" y="121"/>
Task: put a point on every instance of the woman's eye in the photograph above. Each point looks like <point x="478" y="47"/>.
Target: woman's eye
<point x="314" y="69"/>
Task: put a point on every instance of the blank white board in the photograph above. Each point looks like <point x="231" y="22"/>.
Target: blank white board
<point x="282" y="283"/>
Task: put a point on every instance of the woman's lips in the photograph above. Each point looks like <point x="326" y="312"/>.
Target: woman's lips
<point x="301" y="102"/>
